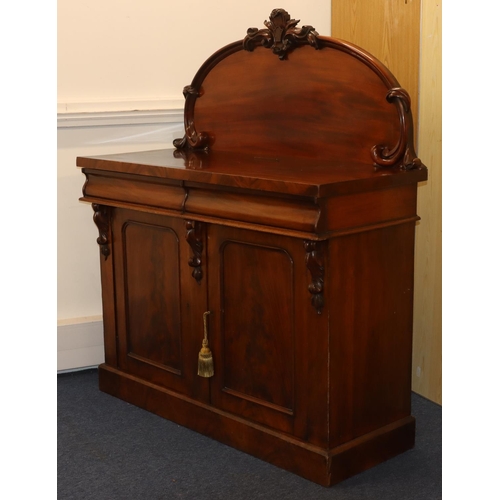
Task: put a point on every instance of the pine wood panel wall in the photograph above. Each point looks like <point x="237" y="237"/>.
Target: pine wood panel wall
<point x="406" y="36"/>
<point x="427" y="366"/>
<point x="388" y="29"/>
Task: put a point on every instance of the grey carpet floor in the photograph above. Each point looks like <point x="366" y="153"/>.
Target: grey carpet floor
<point x="109" y="449"/>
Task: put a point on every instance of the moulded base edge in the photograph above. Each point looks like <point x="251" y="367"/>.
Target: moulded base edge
<point x="322" y="466"/>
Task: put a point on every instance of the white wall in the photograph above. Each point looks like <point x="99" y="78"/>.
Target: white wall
<point x="116" y="58"/>
<point x="117" y="54"/>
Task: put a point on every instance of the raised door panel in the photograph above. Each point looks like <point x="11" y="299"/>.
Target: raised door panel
<point x="152" y="295"/>
<point x="258" y="280"/>
<point x="260" y="307"/>
<point x="157" y="299"/>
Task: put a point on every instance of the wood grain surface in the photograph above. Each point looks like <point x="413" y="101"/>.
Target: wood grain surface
<point x="406" y="36"/>
<point x="427" y="347"/>
<point x="388" y="29"/>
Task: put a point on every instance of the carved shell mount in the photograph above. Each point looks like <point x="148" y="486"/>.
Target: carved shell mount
<point x="280" y="34"/>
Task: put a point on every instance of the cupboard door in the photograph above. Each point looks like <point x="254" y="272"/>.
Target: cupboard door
<point x="261" y="318"/>
<point x="157" y="300"/>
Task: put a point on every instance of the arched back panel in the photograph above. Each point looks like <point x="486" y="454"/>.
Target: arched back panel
<point x="285" y="91"/>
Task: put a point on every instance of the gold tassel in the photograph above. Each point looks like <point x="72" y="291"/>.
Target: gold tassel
<point x="205" y="360"/>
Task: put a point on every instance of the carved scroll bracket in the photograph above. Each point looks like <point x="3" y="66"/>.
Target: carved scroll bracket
<point x="281" y="34"/>
<point x="194" y="159"/>
<point x="314" y="262"/>
<point x="192" y="138"/>
<point x="194" y="237"/>
<point x="102" y="219"/>
<point x="403" y="153"/>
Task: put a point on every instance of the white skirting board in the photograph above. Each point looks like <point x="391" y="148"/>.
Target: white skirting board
<point x="80" y="343"/>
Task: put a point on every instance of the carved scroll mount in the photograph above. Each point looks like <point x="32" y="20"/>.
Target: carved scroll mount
<point x="102" y="219"/>
<point x="402" y="153"/>
<point x="281" y="34"/>
<point x="194" y="237"/>
<point x="190" y="90"/>
<point x="314" y="263"/>
<point x="194" y="159"/>
<point x="192" y="139"/>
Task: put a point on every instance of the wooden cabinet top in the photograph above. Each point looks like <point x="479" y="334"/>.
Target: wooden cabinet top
<point x="276" y="174"/>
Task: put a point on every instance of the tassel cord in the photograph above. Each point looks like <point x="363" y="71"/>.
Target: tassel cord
<point x="205" y="360"/>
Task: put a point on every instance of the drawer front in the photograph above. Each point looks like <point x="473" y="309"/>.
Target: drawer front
<point x="300" y="214"/>
<point x="116" y="189"/>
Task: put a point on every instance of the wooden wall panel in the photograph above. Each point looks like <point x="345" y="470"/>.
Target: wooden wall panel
<point x="388" y="29"/>
<point x="406" y="36"/>
<point x="427" y="327"/>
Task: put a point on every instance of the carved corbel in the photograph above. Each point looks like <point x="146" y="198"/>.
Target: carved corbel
<point x="194" y="237"/>
<point x="314" y="262"/>
<point x="102" y="219"/>
<point x="281" y="34"/>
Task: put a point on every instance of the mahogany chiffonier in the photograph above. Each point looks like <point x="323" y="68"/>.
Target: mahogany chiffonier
<point x="279" y="234"/>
